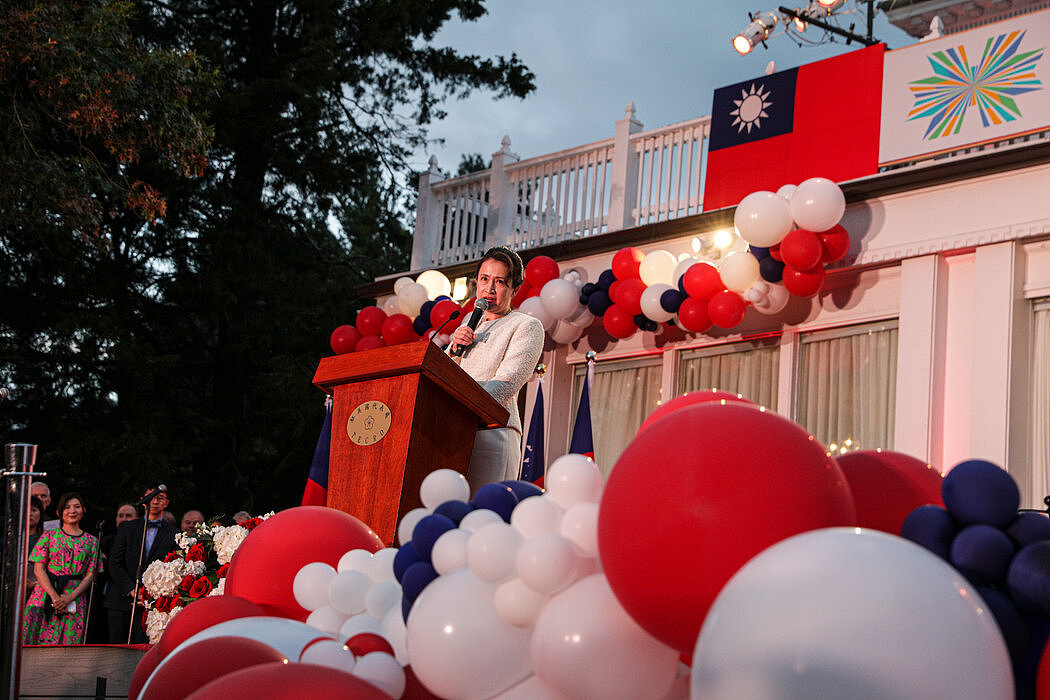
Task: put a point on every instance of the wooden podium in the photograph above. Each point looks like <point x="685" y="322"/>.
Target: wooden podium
<point x="399" y="413"/>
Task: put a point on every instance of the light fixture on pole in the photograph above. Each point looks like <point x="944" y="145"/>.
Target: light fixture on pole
<point x="756" y="32"/>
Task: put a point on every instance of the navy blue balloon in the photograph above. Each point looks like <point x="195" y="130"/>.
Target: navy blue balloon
<point x="1028" y="579"/>
<point x="405" y="557"/>
<point x="932" y="527"/>
<point x="426" y="308"/>
<point x="982" y="554"/>
<point x="427" y="531"/>
<point x="453" y="510"/>
<point x="498" y="498"/>
<point x="977" y="491"/>
<point x="416" y="578"/>
<point x="523" y="489"/>
<point x="421" y="324"/>
<point x="1028" y="528"/>
<point x="599" y="303"/>
<point x="605" y="280"/>
<point x="441" y="297"/>
<point x="670" y="300"/>
<point x="759" y="252"/>
<point x="589" y="288"/>
<point x="1012" y="623"/>
<point x="645" y="323"/>
<point x="681" y="286"/>
<point x="772" y="270"/>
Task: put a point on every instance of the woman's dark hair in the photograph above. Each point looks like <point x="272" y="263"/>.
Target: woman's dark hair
<point x="66" y="498"/>
<point x="509" y="258"/>
<point x="35" y="502"/>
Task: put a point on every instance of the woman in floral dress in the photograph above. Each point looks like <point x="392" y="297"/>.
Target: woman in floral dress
<point x="64" y="561"/>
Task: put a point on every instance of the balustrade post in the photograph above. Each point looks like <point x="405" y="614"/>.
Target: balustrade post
<point x="429" y="216"/>
<point x="623" y="189"/>
<point x="502" y="199"/>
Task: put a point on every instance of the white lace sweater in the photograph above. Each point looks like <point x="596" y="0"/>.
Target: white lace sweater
<point x="503" y="357"/>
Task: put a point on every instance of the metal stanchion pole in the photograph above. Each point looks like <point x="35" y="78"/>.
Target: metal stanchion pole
<point x="19" y="459"/>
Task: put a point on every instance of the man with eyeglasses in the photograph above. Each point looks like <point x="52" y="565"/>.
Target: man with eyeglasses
<point x="129" y="557"/>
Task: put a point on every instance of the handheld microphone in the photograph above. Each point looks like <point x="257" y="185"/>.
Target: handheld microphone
<point x="153" y="494"/>
<point x="480" y="307"/>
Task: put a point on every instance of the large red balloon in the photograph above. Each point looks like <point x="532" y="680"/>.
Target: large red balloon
<point x="689" y="399"/>
<point x="801" y="249"/>
<point x="524" y="293"/>
<point x="699" y="493"/>
<point x="370" y="320"/>
<point x="203" y="614"/>
<point x="834" y="243"/>
<point x="804" y="283"/>
<point x="702" y="281"/>
<point x="629" y="295"/>
<point x="344" y="339"/>
<point x="280" y="680"/>
<point x="541" y="270"/>
<point x="618" y="323"/>
<point x="370" y="342"/>
<point x="265" y="565"/>
<point x="202" y="662"/>
<point x="625" y="263"/>
<point x="693" y="314"/>
<point x="145" y="668"/>
<point x="397" y="329"/>
<point x="887" y="486"/>
<point x="726" y="309"/>
<point x="441" y="313"/>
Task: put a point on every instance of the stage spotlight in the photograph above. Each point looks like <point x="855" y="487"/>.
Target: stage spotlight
<point x="831" y="5"/>
<point x="754" y="33"/>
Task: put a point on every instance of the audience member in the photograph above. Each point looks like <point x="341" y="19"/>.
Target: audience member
<point x="64" y="560"/>
<point x="190" y="520"/>
<point x="36" y="529"/>
<point x="98" y="623"/>
<point x="43" y="492"/>
<point x="240" y="516"/>
<point x="129" y="557"/>
<point x="169" y="518"/>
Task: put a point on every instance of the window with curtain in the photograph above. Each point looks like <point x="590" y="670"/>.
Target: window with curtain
<point x="847" y="386"/>
<point x="749" y="369"/>
<point x="623" y="394"/>
<point x="1035" y="484"/>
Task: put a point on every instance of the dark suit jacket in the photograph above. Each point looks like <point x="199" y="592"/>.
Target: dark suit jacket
<point x="124" y="559"/>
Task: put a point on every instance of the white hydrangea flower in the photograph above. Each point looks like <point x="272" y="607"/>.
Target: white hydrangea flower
<point x="227" y="541"/>
<point x="185" y="541"/>
<point x="156" y="621"/>
<point x="219" y="588"/>
<point x="162" y="578"/>
<point x="194" y="568"/>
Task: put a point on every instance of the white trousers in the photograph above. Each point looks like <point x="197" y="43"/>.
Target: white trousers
<point x="496" y="457"/>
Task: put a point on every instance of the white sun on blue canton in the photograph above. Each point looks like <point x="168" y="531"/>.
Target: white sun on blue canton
<point x="750" y="108"/>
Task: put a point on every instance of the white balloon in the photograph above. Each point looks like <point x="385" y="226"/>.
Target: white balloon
<point x="400" y="283"/>
<point x="310" y="585"/>
<point x="533" y="306"/>
<point x="461" y="648"/>
<point x="289" y="637"/>
<point x="383" y="671"/>
<point x="347" y="591"/>
<point x="392" y="305"/>
<point x="359" y="624"/>
<point x="657" y="267"/>
<point x="578" y="274"/>
<point x="584" y="627"/>
<point x="355" y="560"/>
<point x="443" y="485"/>
<point x="817" y="204"/>
<point x="580" y="526"/>
<point x="383" y="565"/>
<point x="328" y="652"/>
<point x="408" y="524"/>
<point x="477" y="519"/>
<point x="680" y="269"/>
<point x="546" y="563"/>
<point x="326" y="619"/>
<point x="564" y="332"/>
<point x="560" y="298"/>
<point x="739" y="271"/>
<point x="393" y="627"/>
<point x="583" y="319"/>
<point x="763" y="219"/>
<point x="651" y="306"/>
<point x="573" y="479"/>
<point x="777" y="297"/>
<point x="787" y="191"/>
<point x="491" y="552"/>
<point x="450" y="551"/>
<point x="535" y="515"/>
<point x="435" y="283"/>
<point x="532" y="688"/>
<point x="381" y="597"/>
<point x="411" y="298"/>
<point x="518" y="604"/>
<point x="850" y="613"/>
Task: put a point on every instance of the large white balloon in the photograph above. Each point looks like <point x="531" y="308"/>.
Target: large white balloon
<point x="651" y="302"/>
<point x="327" y="619"/>
<point x="763" y="219"/>
<point x="564" y="332"/>
<point x="460" y="647"/>
<point x="583" y="319"/>
<point x="533" y="306"/>
<point x="360" y="624"/>
<point x="817" y="204"/>
<point x="356" y="560"/>
<point x="381" y="597"/>
<point x="289" y="637"/>
<point x="310" y="585"/>
<point x="400" y="283"/>
<point x="347" y="591"/>
<point x="580" y="526"/>
<point x="450" y="551"/>
<point x="435" y="283"/>
<point x="739" y="271"/>
<point x="849" y="613"/>
<point x="383" y="565"/>
<point x="411" y="297"/>
<point x="584" y="627"/>
<point x="776" y="298"/>
<point x="546" y="563"/>
<point x="787" y="191"/>
<point x="573" y="479"/>
<point x="535" y="515"/>
<point x="657" y="267"/>
<point x="394" y="632"/>
<point x="408" y="524"/>
<point x="518" y="604"/>
<point x="383" y="671"/>
<point x="443" y="485"/>
<point x="560" y="298"/>
<point x="392" y="305"/>
<point x="328" y="652"/>
<point x="492" y="550"/>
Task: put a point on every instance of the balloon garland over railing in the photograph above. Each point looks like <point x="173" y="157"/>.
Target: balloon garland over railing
<point x="791" y="235"/>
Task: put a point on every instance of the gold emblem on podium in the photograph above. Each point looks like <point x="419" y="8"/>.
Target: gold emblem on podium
<point x="368" y="423"/>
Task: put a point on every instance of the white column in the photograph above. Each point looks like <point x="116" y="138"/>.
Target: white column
<point x="428" y="218"/>
<point x="623" y="182"/>
<point x="502" y="200"/>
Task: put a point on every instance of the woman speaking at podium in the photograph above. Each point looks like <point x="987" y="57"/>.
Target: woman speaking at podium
<point x="500" y="354"/>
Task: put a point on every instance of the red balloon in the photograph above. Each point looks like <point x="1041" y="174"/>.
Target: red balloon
<point x="726" y="309"/>
<point x="699" y="493"/>
<point x="414" y="688"/>
<point x="265" y="565"/>
<point x="613" y="288"/>
<point x="281" y="680"/>
<point x="693" y="314"/>
<point x="689" y="399"/>
<point x="702" y="281"/>
<point x="629" y="295"/>
<point x="370" y="320"/>
<point x="618" y="323"/>
<point x="774" y="252"/>
<point x="522" y="294"/>
<point x="202" y="662"/>
<point x="203" y="614"/>
<point x="146" y="665"/>
<point x="441" y="312"/>
<point x="626" y="262"/>
<point x="887" y="486"/>
<point x="801" y="249"/>
<point x="1042" y="678"/>
<point x="366" y="643"/>
<point x="397" y="329"/>
<point x="468" y="306"/>
<point x="834" y="243"/>
<point x="370" y="342"/>
<point x="804" y="283"/>
<point x="344" y="339"/>
<point x="541" y="270"/>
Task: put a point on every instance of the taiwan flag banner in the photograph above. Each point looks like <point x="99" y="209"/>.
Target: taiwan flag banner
<point x="817" y="120"/>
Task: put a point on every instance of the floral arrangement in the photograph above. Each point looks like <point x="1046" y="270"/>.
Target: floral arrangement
<point x="195" y="570"/>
